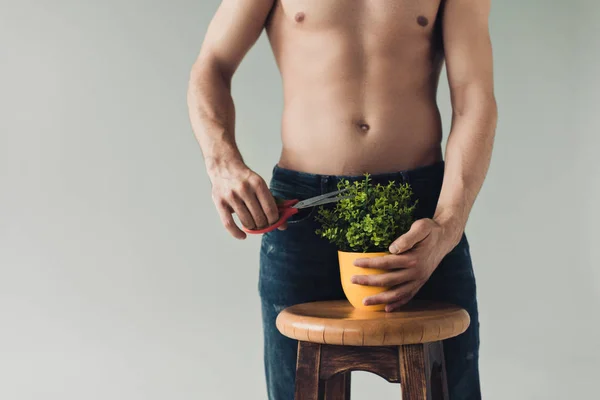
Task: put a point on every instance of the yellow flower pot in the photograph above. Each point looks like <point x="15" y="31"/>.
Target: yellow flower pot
<point x="356" y="293"/>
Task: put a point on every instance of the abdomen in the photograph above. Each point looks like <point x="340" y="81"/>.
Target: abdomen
<point x="359" y="96"/>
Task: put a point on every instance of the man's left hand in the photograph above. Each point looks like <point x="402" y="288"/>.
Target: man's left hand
<point x="415" y="255"/>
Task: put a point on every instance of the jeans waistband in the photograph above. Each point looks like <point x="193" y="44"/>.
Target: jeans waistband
<point x="433" y="173"/>
<point x="425" y="181"/>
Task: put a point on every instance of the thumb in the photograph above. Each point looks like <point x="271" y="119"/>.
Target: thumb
<point x="419" y="230"/>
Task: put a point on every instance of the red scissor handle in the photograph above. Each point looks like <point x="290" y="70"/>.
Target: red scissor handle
<point x="286" y="209"/>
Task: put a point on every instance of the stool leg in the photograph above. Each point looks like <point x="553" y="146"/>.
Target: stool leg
<point x="338" y="387"/>
<point x="308" y="384"/>
<point x="422" y="372"/>
<point x="437" y="370"/>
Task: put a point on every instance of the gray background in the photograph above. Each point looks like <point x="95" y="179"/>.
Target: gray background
<point x="116" y="280"/>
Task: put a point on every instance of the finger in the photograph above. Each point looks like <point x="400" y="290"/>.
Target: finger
<point x="393" y="261"/>
<point x="256" y="210"/>
<point x="398" y="304"/>
<point x="387" y="279"/>
<point x="267" y="202"/>
<point x="283" y="226"/>
<point x="395" y="294"/>
<point x="229" y="223"/>
<point x="419" y="230"/>
<point x="240" y="209"/>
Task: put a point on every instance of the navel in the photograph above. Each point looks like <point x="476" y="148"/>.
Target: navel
<point x="423" y="21"/>
<point x="363" y="126"/>
<point x="299" y="17"/>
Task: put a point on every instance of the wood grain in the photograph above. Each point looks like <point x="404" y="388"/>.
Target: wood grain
<point x="338" y="323"/>
<point x="382" y="361"/>
<point x="308" y="384"/>
<point x="338" y="387"/>
<point x="323" y="371"/>
<point x="422" y="372"/>
<point x="402" y="347"/>
<point x="412" y="372"/>
<point x="437" y="370"/>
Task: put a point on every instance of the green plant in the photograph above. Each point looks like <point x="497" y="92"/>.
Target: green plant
<point x="370" y="219"/>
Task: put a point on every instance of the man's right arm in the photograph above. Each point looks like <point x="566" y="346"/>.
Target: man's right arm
<point x="234" y="29"/>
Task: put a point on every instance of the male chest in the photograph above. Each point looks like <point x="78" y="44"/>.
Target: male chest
<point x="377" y="16"/>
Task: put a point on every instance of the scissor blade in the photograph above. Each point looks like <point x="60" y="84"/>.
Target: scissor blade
<point x="327" y="201"/>
<point x="312" y="200"/>
<point x="324" y="201"/>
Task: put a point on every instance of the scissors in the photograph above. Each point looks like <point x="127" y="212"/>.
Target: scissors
<point x="287" y="208"/>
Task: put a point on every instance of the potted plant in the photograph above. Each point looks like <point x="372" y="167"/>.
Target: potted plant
<point x="364" y="225"/>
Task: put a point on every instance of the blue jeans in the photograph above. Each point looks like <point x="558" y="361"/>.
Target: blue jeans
<point x="297" y="266"/>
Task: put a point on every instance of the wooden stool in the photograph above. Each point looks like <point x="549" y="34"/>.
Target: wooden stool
<point x="402" y="347"/>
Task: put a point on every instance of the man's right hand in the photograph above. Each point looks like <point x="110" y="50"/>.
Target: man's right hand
<point x="237" y="189"/>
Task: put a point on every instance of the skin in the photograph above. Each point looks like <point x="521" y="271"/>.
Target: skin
<point x="359" y="87"/>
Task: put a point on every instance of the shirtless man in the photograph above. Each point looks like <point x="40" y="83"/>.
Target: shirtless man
<point x="360" y="80"/>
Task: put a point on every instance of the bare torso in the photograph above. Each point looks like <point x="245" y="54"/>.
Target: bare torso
<point x="360" y="80"/>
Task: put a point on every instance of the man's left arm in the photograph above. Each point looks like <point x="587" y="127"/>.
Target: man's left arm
<point x="469" y="66"/>
<point x="416" y="254"/>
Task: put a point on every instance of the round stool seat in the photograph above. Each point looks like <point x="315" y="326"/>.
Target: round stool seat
<point x="339" y="323"/>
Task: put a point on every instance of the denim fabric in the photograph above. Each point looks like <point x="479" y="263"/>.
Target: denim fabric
<point x="296" y="266"/>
